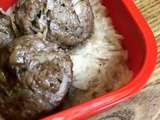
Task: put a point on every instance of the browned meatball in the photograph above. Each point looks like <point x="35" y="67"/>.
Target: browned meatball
<point x="69" y="22"/>
<point x="30" y="16"/>
<point x="39" y="79"/>
<point x="6" y="32"/>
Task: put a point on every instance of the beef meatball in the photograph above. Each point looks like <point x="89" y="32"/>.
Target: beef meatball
<point x="40" y="76"/>
<point x="30" y="16"/>
<point x="6" y="32"/>
<point x="71" y="21"/>
<point x="68" y="22"/>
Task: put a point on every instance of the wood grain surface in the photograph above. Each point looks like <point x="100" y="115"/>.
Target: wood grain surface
<point x="146" y="104"/>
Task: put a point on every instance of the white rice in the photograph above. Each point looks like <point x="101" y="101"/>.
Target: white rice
<point x="101" y="64"/>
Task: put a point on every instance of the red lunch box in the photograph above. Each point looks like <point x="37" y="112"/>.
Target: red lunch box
<point x="142" y="52"/>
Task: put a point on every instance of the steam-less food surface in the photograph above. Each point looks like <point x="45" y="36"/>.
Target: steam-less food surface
<point x="6" y="32"/>
<point x="57" y="54"/>
<point x="36" y="77"/>
<point x="100" y="64"/>
<point x="69" y="21"/>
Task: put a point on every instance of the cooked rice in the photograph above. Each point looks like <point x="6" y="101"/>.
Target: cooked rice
<point x="99" y="65"/>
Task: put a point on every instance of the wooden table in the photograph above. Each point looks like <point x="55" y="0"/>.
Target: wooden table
<point x="146" y="104"/>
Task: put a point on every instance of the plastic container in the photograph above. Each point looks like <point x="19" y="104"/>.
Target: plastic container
<point x="141" y="46"/>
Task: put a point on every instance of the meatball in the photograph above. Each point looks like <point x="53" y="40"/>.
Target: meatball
<point x="6" y="32"/>
<point x="40" y="77"/>
<point x="67" y="22"/>
<point x="71" y="21"/>
<point x="30" y="16"/>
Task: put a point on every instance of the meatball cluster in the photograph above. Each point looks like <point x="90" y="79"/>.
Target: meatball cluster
<point x="35" y="68"/>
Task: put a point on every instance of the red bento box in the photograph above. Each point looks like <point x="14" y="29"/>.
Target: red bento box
<point x="142" y="51"/>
